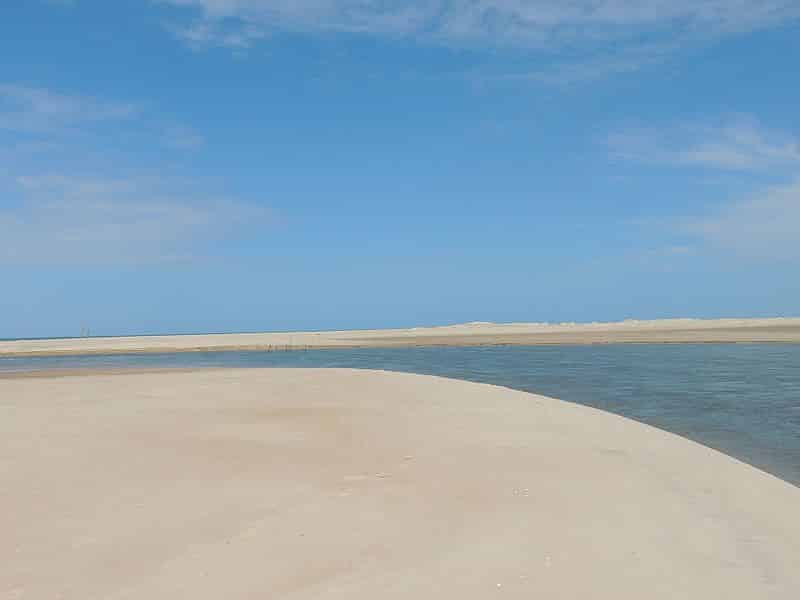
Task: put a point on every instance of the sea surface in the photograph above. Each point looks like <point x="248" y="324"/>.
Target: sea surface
<point x="742" y="399"/>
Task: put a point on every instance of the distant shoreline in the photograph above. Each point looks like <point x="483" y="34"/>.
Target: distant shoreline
<point x="666" y="331"/>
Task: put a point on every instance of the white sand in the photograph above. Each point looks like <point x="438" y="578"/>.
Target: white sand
<point x="660" y="331"/>
<point x="339" y="484"/>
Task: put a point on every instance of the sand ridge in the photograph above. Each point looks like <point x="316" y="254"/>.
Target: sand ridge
<point x="315" y="483"/>
<point x="785" y="330"/>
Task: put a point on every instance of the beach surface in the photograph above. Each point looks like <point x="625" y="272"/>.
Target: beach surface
<point x="468" y="334"/>
<point x="345" y="484"/>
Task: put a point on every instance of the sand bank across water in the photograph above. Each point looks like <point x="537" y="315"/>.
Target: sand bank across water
<point x="283" y="483"/>
<point x="660" y="331"/>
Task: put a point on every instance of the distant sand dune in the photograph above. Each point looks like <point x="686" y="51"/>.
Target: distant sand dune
<point x="477" y="333"/>
<point x="341" y="484"/>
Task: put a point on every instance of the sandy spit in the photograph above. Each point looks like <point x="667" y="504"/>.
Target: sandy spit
<point x="785" y="330"/>
<point x="343" y="484"/>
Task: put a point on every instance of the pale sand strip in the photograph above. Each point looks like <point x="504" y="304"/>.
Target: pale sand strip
<point x="661" y="331"/>
<point x="338" y="484"/>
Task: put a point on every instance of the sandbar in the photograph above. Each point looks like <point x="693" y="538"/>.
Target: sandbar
<point x="348" y="484"/>
<point x="773" y="330"/>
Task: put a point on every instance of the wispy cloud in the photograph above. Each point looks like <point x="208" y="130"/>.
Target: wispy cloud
<point x="597" y="65"/>
<point x="54" y="118"/>
<point x="65" y="219"/>
<point x="765" y="226"/>
<point x="183" y="138"/>
<point x="740" y="144"/>
<point x="105" y="215"/>
<point x="34" y="109"/>
<point x="516" y="22"/>
<point x="561" y="42"/>
<point x="221" y="33"/>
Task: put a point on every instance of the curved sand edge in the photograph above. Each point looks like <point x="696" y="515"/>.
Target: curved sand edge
<point x="362" y="484"/>
<point x="780" y="330"/>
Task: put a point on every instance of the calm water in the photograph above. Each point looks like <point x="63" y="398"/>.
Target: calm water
<point x="742" y="399"/>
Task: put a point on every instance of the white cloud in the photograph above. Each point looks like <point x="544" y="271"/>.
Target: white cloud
<point x="184" y="138"/>
<point x="765" y="226"/>
<point x="208" y="32"/>
<point x="516" y="22"/>
<point x="64" y="219"/>
<point x="53" y="118"/>
<point x="740" y="145"/>
<point x="57" y="219"/>
<point x="574" y="41"/>
<point x="599" y="65"/>
<point x="33" y="109"/>
<point x="745" y="147"/>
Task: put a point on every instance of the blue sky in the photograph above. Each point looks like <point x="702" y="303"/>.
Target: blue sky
<point x="235" y="165"/>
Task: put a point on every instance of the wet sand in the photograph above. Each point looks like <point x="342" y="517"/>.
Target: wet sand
<point x="301" y="484"/>
<point x="471" y="334"/>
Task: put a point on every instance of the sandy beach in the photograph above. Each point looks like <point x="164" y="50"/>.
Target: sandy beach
<point x="301" y="484"/>
<point x="786" y="330"/>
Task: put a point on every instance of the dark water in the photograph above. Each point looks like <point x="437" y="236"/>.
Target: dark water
<point x="742" y="399"/>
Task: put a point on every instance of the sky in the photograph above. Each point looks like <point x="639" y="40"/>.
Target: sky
<point x="181" y="166"/>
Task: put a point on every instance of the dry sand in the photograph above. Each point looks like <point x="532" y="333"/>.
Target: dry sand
<point x="661" y="331"/>
<point x="340" y="484"/>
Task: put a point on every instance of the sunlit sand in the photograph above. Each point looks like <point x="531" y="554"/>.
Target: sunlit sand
<point x="368" y="485"/>
<point x="659" y="331"/>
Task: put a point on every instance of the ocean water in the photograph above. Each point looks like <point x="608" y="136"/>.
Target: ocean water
<point x="742" y="399"/>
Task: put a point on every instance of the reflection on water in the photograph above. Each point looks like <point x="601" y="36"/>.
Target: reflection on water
<point x="743" y="399"/>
